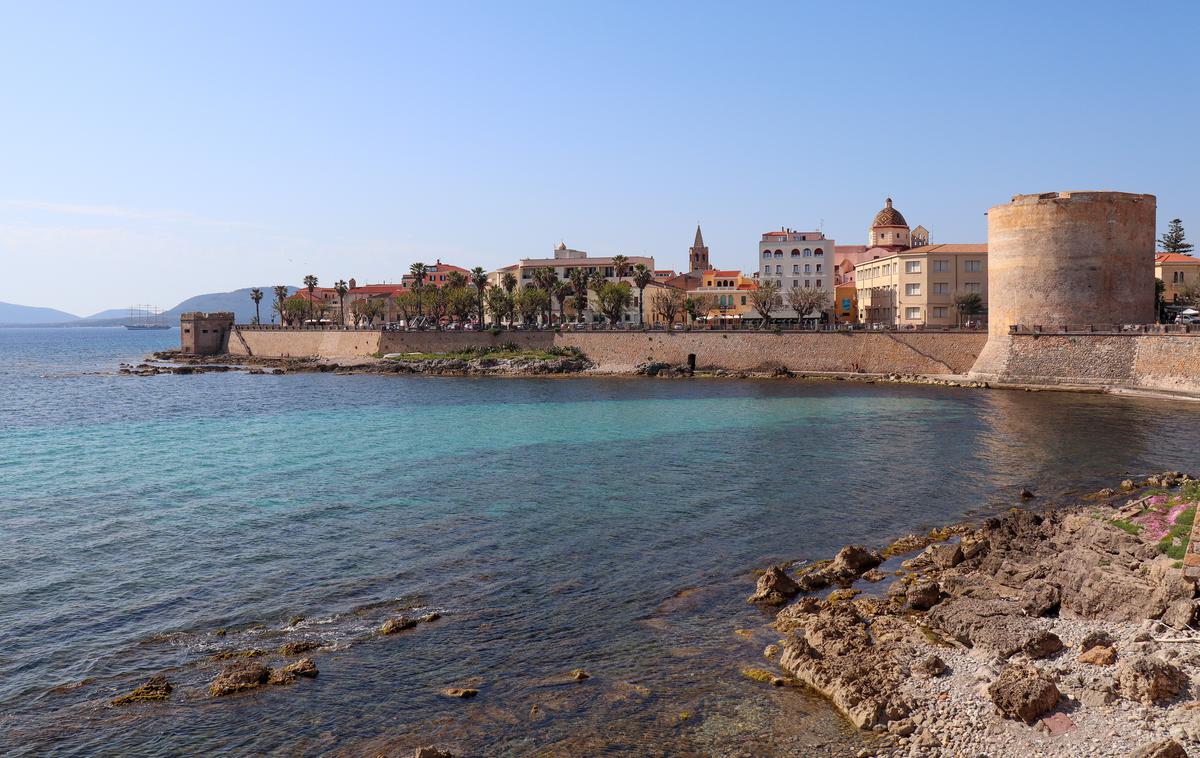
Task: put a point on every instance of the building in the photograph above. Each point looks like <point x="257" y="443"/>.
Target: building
<point x="698" y="254"/>
<point x="792" y="260"/>
<point x="436" y="275"/>
<point x="1176" y="272"/>
<point x="204" y="333"/>
<point x="845" y="303"/>
<point x="918" y="286"/>
<point x="565" y="261"/>
<point x="889" y="229"/>
<point x="729" y="292"/>
<point x="384" y="294"/>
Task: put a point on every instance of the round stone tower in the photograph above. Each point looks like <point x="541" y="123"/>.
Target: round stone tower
<point x="1074" y="258"/>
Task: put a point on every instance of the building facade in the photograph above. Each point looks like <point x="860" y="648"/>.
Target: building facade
<point x="1177" y="272"/>
<point x="919" y="286"/>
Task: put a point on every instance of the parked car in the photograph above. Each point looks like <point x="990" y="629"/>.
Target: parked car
<point x="1182" y="319"/>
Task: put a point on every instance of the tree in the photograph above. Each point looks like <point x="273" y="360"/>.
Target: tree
<point x="456" y="280"/>
<point x="668" y="302"/>
<point x="460" y="302"/>
<point x="508" y="280"/>
<point x="620" y="265"/>
<point x="310" y="283"/>
<point x="281" y="293"/>
<point x="642" y="277"/>
<point x="614" y="298"/>
<point x="256" y="295"/>
<point x="341" y="288"/>
<point x="479" y="279"/>
<point x="1159" y="290"/>
<point x="499" y="302"/>
<point x="968" y="304"/>
<point x="596" y="280"/>
<point x="1174" y="240"/>
<point x="418" y="271"/>
<point x="698" y="305"/>
<point x="560" y="291"/>
<point x="408" y="306"/>
<point x="805" y="300"/>
<point x="765" y="299"/>
<point x="433" y="303"/>
<point x="367" y="309"/>
<point x="545" y="278"/>
<point x="579" y="285"/>
<point x="295" y="309"/>
<point x="1189" y="295"/>
<point x="530" y="301"/>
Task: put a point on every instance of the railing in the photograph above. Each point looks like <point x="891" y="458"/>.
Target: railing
<point x="575" y="327"/>
<point x="1132" y="329"/>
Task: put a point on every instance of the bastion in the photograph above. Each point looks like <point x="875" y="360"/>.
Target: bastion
<point x="205" y="333"/>
<point x="1064" y="262"/>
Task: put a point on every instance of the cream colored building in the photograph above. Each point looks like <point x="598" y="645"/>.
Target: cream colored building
<point x="918" y="286"/>
<point x="1177" y="272"/>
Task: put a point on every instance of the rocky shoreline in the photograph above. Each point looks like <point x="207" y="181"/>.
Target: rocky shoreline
<point x="1063" y="632"/>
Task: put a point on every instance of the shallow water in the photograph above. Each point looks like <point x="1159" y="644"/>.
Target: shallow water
<point x="607" y="524"/>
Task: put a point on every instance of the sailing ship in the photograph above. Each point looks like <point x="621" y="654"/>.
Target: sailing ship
<point x="142" y="317"/>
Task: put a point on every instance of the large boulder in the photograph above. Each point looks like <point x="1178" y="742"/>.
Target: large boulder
<point x="998" y="627"/>
<point x="1022" y="692"/>
<point x="922" y="596"/>
<point x="1099" y="655"/>
<point x="775" y="587"/>
<point x="1148" y="679"/>
<point x="244" y="675"/>
<point x="945" y="556"/>
<point x="850" y="563"/>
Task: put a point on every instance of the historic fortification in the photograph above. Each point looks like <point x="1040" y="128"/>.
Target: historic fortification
<point x="204" y="333"/>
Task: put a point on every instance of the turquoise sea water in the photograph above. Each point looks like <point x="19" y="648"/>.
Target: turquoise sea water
<point x="606" y="524"/>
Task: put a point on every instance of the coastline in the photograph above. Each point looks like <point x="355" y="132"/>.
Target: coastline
<point x="1047" y="631"/>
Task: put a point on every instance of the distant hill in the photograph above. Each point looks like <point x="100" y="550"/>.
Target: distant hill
<point x="29" y="314"/>
<point x="237" y="301"/>
<point x="108" y="314"/>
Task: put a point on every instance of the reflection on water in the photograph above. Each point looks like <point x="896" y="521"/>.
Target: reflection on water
<point x="605" y="524"/>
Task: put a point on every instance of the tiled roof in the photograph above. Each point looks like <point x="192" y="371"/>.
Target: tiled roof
<point x="1174" y="258"/>
<point x="946" y="248"/>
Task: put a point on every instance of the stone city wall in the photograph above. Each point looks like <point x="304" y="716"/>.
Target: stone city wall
<point x="1168" y="362"/>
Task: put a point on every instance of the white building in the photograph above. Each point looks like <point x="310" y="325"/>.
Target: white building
<point x="793" y="260"/>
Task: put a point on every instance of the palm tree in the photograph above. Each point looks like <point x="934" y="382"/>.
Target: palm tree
<point x="508" y="282"/>
<point x="620" y="265"/>
<point x="968" y="304"/>
<point x="642" y="277"/>
<point x="418" y="271"/>
<point x="310" y="282"/>
<point x="456" y="280"/>
<point x="560" y="292"/>
<point x="579" y="285"/>
<point x="479" y="279"/>
<point x="341" y="288"/>
<point x="545" y="277"/>
<point x="256" y="295"/>
<point x="281" y="293"/>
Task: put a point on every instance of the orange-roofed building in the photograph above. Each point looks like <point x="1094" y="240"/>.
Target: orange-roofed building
<point x="1177" y="272"/>
<point x="436" y="274"/>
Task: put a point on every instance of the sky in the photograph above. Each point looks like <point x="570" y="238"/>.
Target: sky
<point x="154" y="151"/>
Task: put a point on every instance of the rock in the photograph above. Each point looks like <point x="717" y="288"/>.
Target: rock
<point x="902" y="728"/>
<point x="430" y="617"/>
<point x="996" y="627"/>
<point x="431" y="752"/>
<point x="155" y="688"/>
<point x="874" y="575"/>
<point x="1099" y="655"/>
<point x="1180" y="614"/>
<point x="945" y="556"/>
<point x="766" y="677"/>
<point x="397" y="624"/>
<point x="1026" y="493"/>
<point x="770" y="651"/>
<point x="286" y="675"/>
<point x="923" y="595"/>
<point x="1023" y="693"/>
<point x="1042" y="600"/>
<point x="1100" y="692"/>
<point x="1163" y="749"/>
<point x="928" y="667"/>
<point x="797" y="614"/>
<point x="240" y="676"/>
<point x="1127" y="485"/>
<point x="1147" y="679"/>
<point x="579" y="675"/>
<point x="460" y="692"/>
<point x="853" y="560"/>
<point x="1099" y="638"/>
<point x="296" y="648"/>
<point x="1042" y="644"/>
<point x="775" y="587"/>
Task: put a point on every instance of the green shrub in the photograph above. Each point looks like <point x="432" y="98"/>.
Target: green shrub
<point x="1127" y="526"/>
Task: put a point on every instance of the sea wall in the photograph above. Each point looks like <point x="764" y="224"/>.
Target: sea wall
<point x="620" y="352"/>
<point x="1168" y="362"/>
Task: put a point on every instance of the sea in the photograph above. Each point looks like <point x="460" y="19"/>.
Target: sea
<point x="152" y="525"/>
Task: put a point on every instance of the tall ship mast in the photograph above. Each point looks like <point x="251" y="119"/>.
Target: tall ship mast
<point x="142" y="317"/>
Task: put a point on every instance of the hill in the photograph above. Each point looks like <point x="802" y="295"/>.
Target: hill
<point x="11" y="313"/>
<point x="237" y="301"/>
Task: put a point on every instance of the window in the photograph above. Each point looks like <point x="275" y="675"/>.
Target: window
<point x="796" y="268"/>
<point x="819" y="251"/>
<point x="808" y="268"/>
<point x="912" y="314"/>
<point x="972" y="287"/>
<point x="807" y="282"/>
<point x="941" y="288"/>
<point x="1177" y="277"/>
<point x="743" y="299"/>
<point x="912" y="289"/>
<point x="972" y="266"/>
<point x="939" y="312"/>
<point x="912" y="267"/>
<point x="767" y="269"/>
<point x="795" y="284"/>
<point x="778" y="269"/>
<point x="766" y="253"/>
<point x="807" y="253"/>
<point x="941" y="267"/>
<point x="818" y="268"/>
<point x="778" y="253"/>
<point x="795" y="253"/>
<point x="818" y="284"/>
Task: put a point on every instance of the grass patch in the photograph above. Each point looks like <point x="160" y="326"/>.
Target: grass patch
<point x="1174" y="543"/>
<point x="1127" y="526"/>
<point x="506" y="350"/>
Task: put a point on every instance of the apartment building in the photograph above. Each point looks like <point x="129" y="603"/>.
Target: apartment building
<point x="919" y="286"/>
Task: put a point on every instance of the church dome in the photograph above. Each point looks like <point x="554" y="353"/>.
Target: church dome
<point x="889" y="216"/>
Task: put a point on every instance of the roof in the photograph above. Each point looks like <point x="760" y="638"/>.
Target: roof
<point x="715" y="272"/>
<point x="949" y="247"/>
<point x="1174" y="258"/>
<point x="889" y="216"/>
<point x="376" y="289"/>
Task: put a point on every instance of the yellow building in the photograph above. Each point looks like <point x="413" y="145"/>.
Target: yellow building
<point x="845" y="303"/>
<point x="730" y="294"/>
<point x="1176" y="272"/>
<point x="917" y="287"/>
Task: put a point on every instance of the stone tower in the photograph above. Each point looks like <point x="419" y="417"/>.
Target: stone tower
<point x="1067" y="258"/>
<point x="698" y="254"/>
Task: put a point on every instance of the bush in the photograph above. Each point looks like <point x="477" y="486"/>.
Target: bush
<point x="507" y="347"/>
<point x="495" y="330"/>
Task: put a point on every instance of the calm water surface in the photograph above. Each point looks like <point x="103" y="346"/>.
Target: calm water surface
<point x="605" y="524"/>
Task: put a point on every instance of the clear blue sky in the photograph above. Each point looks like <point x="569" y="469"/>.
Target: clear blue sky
<point x="151" y="151"/>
